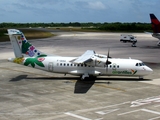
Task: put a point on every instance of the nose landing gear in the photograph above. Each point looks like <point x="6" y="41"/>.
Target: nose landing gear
<point x="140" y="78"/>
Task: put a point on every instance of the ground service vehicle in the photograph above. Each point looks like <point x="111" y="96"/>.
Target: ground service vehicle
<point x="128" y="38"/>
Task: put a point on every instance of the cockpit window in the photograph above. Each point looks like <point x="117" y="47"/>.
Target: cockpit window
<point x="140" y="64"/>
<point x="143" y="64"/>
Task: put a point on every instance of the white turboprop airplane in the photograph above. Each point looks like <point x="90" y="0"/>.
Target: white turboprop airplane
<point x="87" y="65"/>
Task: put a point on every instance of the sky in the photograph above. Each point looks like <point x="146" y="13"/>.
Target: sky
<point x="57" y="11"/>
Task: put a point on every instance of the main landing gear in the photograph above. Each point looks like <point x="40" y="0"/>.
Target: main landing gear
<point x="87" y="77"/>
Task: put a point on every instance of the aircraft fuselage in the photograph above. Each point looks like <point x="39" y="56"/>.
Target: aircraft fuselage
<point x="118" y="67"/>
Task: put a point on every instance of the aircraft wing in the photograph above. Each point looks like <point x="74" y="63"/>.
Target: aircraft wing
<point x="86" y="57"/>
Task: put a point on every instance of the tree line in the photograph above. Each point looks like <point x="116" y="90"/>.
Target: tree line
<point x="116" y="26"/>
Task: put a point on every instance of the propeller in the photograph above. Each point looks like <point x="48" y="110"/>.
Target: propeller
<point x="108" y="62"/>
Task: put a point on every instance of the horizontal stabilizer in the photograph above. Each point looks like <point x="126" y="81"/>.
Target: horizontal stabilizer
<point x="14" y="32"/>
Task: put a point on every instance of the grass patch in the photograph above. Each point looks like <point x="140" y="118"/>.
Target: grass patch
<point x="29" y="34"/>
<point x="76" y="29"/>
<point x="92" y="29"/>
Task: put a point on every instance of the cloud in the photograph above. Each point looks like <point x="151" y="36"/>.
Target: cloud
<point x="78" y="10"/>
<point x="97" y="5"/>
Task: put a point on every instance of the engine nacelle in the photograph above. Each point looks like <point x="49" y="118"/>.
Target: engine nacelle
<point x="99" y="61"/>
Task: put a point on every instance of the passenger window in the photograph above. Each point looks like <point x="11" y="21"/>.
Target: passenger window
<point x="136" y="64"/>
<point x="64" y="64"/>
<point x="117" y="66"/>
<point x="110" y="66"/>
<point x="71" y="64"/>
<point x="61" y="64"/>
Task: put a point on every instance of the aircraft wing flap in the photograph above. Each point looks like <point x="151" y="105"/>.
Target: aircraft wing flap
<point x="86" y="57"/>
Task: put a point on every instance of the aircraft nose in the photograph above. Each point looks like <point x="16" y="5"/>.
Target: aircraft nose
<point x="148" y="69"/>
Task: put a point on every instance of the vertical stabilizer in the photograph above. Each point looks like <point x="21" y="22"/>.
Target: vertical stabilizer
<point x="21" y="46"/>
<point x="155" y="23"/>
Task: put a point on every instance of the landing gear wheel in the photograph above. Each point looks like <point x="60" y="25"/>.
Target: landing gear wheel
<point x="158" y="43"/>
<point x="134" y="44"/>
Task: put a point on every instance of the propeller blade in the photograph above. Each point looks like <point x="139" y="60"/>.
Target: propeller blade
<point x="108" y="62"/>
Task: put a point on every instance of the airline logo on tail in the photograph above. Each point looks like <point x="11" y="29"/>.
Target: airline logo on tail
<point x="28" y="48"/>
<point x="155" y="24"/>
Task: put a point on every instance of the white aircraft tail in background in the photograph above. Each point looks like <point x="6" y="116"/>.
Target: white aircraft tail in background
<point x="87" y="65"/>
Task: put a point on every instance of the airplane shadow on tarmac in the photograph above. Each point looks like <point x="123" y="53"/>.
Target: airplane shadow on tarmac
<point x="18" y="78"/>
<point x="81" y="86"/>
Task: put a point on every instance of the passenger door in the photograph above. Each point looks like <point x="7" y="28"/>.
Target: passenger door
<point x="50" y="66"/>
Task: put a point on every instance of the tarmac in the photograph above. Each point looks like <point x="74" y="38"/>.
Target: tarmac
<point x="31" y="94"/>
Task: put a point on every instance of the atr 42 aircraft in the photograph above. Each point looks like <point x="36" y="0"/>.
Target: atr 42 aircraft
<point x="87" y="65"/>
<point x="156" y="27"/>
